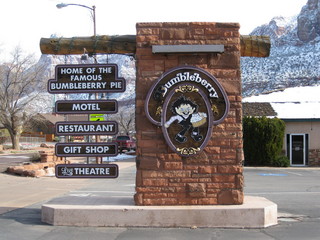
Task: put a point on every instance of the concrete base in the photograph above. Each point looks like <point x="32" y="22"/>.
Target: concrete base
<point x="256" y="212"/>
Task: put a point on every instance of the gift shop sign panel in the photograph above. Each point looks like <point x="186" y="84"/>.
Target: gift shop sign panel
<point x="81" y="78"/>
<point x="99" y="149"/>
<point x="186" y="102"/>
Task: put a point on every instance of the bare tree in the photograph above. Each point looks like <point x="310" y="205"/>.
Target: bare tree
<point x="21" y="89"/>
<point x="125" y="118"/>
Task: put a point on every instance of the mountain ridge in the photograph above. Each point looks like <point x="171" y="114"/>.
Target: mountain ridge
<point x="294" y="55"/>
<point x="293" y="60"/>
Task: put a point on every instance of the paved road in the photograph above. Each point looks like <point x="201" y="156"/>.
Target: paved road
<point x="295" y="190"/>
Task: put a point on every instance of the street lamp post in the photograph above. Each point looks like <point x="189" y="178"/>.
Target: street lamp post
<point x="93" y="9"/>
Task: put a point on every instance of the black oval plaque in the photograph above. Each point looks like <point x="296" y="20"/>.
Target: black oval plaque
<point x="187" y="119"/>
<point x="213" y="90"/>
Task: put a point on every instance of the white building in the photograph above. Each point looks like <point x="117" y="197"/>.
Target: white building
<point x="299" y="108"/>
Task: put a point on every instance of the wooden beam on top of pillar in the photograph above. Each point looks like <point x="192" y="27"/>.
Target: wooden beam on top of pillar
<point x="255" y="46"/>
<point x="77" y="45"/>
<point x="251" y="46"/>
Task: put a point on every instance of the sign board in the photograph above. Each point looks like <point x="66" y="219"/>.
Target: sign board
<point x="186" y="119"/>
<point x="87" y="171"/>
<point x="99" y="149"/>
<point x="86" y="128"/>
<point x="96" y="117"/>
<point x="86" y="106"/>
<point x="186" y="102"/>
<point x="86" y="78"/>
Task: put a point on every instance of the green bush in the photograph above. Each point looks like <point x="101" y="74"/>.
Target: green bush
<point x="262" y="140"/>
<point x="281" y="161"/>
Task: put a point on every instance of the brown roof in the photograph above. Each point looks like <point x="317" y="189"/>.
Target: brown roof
<point x="77" y="117"/>
<point x="53" y="118"/>
<point x="257" y="109"/>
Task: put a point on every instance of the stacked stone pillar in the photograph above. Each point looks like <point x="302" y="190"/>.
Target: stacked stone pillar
<point x="214" y="176"/>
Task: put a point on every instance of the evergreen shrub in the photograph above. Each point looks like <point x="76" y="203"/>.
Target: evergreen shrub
<point x="281" y="161"/>
<point x="262" y="140"/>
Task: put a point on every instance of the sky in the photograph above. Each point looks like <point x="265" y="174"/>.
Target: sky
<point x="24" y="22"/>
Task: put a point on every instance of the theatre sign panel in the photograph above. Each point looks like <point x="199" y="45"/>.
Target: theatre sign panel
<point x="86" y="78"/>
<point x="86" y="171"/>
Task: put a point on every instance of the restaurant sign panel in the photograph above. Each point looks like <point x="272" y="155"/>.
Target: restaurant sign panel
<point x="86" y="128"/>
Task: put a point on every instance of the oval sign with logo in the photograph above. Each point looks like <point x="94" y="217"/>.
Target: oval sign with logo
<point x="186" y="119"/>
<point x="214" y="91"/>
<point x="187" y="101"/>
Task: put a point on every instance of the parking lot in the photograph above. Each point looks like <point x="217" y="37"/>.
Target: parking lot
<point x="295" y="190"/>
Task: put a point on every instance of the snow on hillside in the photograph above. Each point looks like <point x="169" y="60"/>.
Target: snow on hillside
<point x="294" y="57"/>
